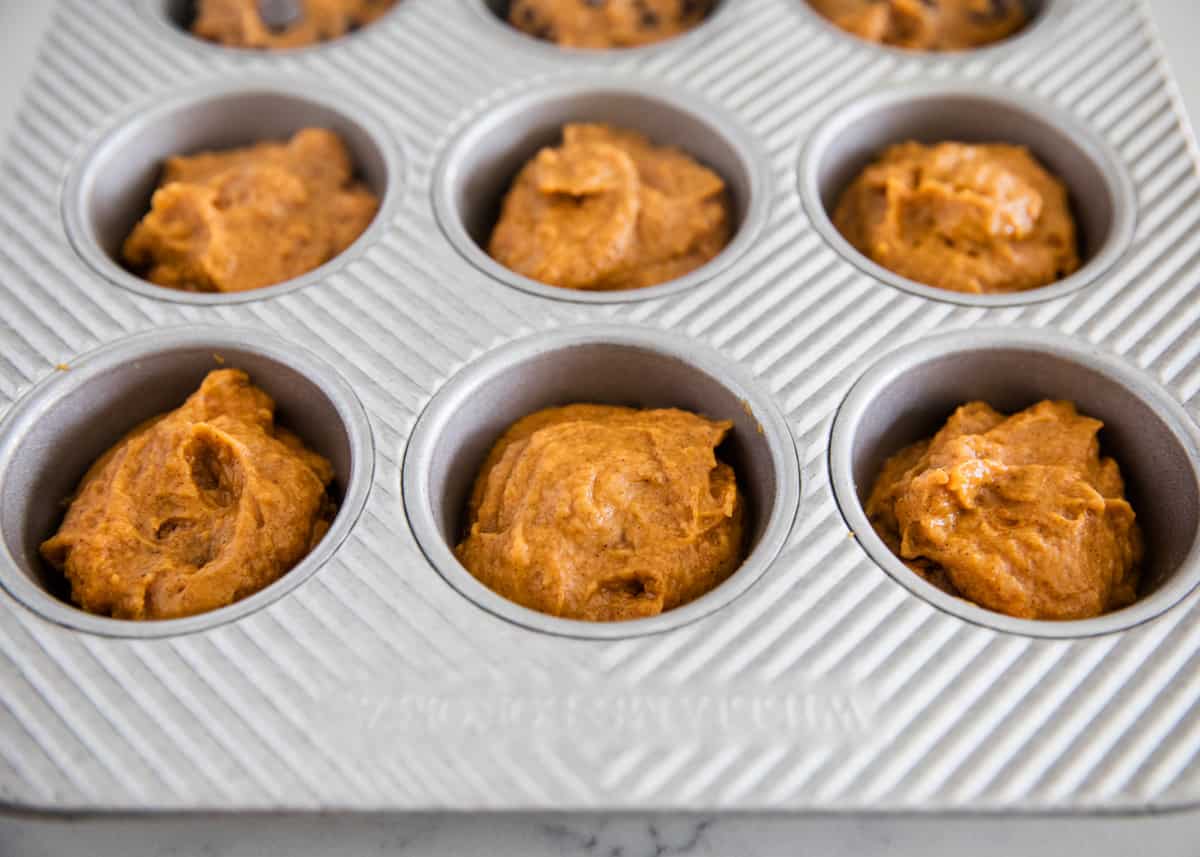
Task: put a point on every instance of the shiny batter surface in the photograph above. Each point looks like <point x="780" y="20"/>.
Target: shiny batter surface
<point x="610" y="210"/>
<point x="247" y="218"/>
<point x="607" y="23"/>
<point x="1018" y="514"/>
<point x="967" y="218"/>
<point x="237" y="23"/>
<point x="927" y="25"/>
<point x="194" y="509"/>
<point x="605" y="513"/>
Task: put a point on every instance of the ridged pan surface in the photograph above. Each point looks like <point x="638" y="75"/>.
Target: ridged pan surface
<point x="828" y="683"/>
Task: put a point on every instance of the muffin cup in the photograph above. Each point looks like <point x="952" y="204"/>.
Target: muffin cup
<point x="50" y="438"/>
<point x="908" y="395"/>
<point x="109" y="189"/>
<point x="478" y="169"/>
<point x="494" y="15"/>
<point x="1102" y="196"/>
<point x="1044" y="17"/>
<point x="603" y="365"/>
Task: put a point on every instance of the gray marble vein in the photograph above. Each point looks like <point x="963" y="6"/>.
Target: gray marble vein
<point x="483" y="835"/>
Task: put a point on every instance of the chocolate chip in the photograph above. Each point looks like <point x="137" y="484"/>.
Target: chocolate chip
<point x="279" y="16"/>
<point x="997" y="10"/>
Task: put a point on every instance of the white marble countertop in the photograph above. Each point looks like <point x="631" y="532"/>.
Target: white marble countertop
<point x="597" y="836"/>
<point x="21" y="25"/>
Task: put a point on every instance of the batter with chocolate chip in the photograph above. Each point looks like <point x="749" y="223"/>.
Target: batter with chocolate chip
<point x="927" y="25"/>
<point x="238" y="24"/>
<point x="600" y="24"/>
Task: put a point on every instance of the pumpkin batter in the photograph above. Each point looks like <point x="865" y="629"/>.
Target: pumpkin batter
<point x="237" y="23"/>
<point x="606" y="23"/>
<point x="1018" y="514"/>
<point x="247" y="218"/>
<point x="194" y="509"/>
<point x="605" y="513"/>
<point x="967" y="218"/>
<point x="609" y="210"/>
<point x="927" y="25"/>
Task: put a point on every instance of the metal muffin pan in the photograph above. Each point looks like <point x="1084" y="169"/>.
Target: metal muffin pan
<point x="822" y="677"/>
<point x="607" y="365"/>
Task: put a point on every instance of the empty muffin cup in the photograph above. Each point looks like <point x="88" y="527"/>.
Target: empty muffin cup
<point x="496" y="13"/>
<point x="908" y="395"/>
<point x="1102" y="197"/>
<point x="109" y="189"/>
<point x="477" y="170"/>
<point x="51" y="436"/>
<point x="1041" y="16"/>
<point x="597" y="365"/>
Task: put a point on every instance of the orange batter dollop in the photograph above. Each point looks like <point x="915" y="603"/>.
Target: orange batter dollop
<point x="1018" y="514"/>
<point x="238" y="24"/>
<point x="194" y="509"/>
<point x="605" y="513"/>
<point x="966" y="218"/>
<point x="927" y="25"/>
<point x="609" y="210"/>
<point x="247" y="218"/>
<point x="607" y="24"/>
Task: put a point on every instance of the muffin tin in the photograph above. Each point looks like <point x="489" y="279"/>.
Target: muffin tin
<point x="378" y="675"/>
